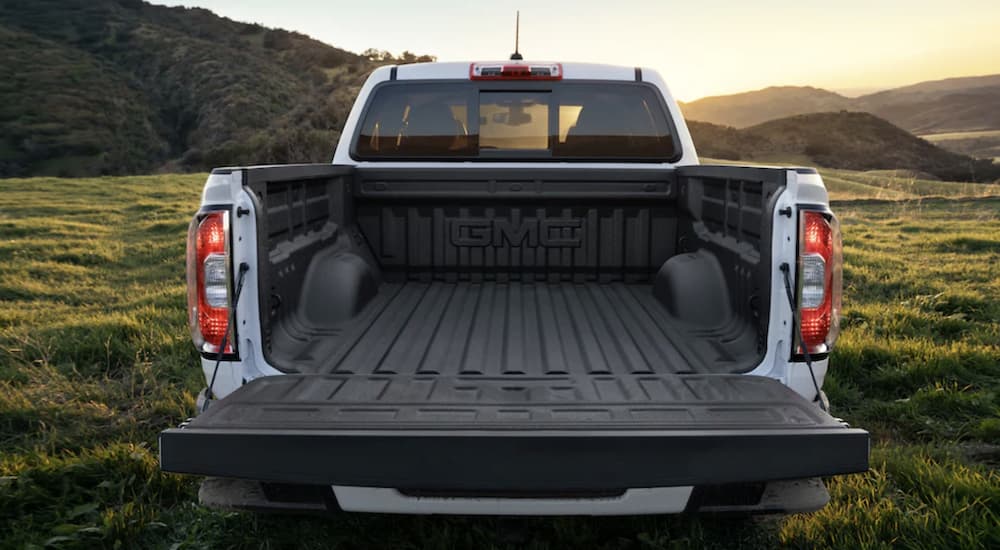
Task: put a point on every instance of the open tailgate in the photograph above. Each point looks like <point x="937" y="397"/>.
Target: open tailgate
<point x="527" y="434"/>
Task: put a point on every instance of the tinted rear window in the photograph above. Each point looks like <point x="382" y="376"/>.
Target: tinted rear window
<point x="516" y="121"/>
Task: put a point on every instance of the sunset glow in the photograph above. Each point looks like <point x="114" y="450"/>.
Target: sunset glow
<point x="703" y="48"/>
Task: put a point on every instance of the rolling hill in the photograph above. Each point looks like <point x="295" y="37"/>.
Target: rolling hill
<point x="727" y="143"/>
<point x="950" y="105"/>
<point x="92" y="87"/>
<point x="750" y="108"/>
<point x="63" y="111"/>
<point x="850" y="140"/>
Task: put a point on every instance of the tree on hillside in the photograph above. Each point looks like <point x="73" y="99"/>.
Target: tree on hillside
<point x="383" y="56"/>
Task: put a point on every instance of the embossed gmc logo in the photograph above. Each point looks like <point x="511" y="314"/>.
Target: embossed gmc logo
<point x="531" y="232"/>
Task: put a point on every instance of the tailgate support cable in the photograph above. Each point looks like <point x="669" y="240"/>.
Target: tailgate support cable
<point x="797" y="327"/>
<point x="230" y="321"/>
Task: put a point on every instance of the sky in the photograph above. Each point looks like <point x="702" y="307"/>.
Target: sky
<point x="701" y="47"/>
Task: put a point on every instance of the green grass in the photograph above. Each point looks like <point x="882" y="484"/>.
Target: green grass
<point x="95" y="361"/>
<point x="897" y="185"/>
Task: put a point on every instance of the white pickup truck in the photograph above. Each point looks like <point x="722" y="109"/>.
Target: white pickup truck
<point x="514" y="291"/>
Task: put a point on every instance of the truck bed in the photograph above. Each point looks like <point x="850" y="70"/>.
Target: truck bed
<point x="521" y="273"/>
<point x="507" y="329"/>
<point x="533" y="332"/>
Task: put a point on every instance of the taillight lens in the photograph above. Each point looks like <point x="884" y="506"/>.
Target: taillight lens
<point x="208" y="270"/>
<point x="819" y="281"/>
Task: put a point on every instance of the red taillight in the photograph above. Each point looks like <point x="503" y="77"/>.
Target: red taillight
<point x="515" y="71"/>
<point x="819" y="281"/>
<point x="208" y="281"/>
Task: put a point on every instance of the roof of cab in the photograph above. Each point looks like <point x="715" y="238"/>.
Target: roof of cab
<point x="460" y="69"/>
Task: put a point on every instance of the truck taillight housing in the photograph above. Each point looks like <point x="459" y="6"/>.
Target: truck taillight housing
<point x="820" y="281"/>
<point x="208" y="280"/>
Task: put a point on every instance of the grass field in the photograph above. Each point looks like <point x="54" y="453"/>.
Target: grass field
<point x="899" y="185"/>
<point x="95" y="360"/>
<point x="889" y="185"/>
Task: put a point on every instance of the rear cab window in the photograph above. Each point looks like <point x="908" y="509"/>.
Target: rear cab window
<point x="563" y="120"/>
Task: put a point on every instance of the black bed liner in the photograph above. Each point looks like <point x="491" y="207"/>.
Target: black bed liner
<point x="399" y="229"/>
<point x="493" y="433"/>
<point x="516" y="330"/>
<point x="532" y="329"/>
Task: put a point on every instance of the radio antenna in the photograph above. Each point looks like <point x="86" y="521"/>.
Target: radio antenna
<point x="516" y="56"/>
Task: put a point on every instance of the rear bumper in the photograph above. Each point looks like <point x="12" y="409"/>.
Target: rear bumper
<point x="800" y="495"/>
<point x="522" y="461"/>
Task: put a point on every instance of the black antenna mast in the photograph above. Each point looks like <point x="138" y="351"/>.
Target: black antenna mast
<point x="516" y="56"/>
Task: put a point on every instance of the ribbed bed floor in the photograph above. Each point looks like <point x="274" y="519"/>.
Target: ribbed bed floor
<point x="500" y="329"/>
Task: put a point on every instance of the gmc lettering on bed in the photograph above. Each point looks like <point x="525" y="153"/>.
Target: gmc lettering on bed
<point x="530" y="232"/>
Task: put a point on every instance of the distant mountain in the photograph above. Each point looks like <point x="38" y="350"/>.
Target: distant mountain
<point x="951" y="105"/>
<point x="121" y="86"/>
<point x="858" y="91"/>
<point x="938" y="88"/>
<point x="749" y="108"/>
<point x="850" y="140"/>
